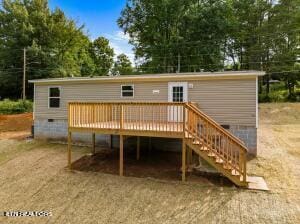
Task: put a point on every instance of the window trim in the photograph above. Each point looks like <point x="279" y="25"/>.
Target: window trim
<point x="50" y="87"/>
<point x="185" y="90"/>
<point x="127" y="91"/>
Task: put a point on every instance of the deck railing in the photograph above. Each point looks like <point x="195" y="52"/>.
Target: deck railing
<point x="140" y="116"/>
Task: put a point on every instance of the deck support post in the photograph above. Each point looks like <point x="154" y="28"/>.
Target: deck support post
<point x="138" y="148"/>
<point x="93" y="144"/>
<point x="121" y="171"/>
<point x="183" y="168"/>
<point x="69" y="150"/>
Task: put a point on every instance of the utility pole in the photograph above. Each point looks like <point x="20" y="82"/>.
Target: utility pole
<point x="24" y="74"/>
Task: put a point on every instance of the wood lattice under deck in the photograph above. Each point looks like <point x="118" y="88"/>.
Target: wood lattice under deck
<point x="199" y="133"/>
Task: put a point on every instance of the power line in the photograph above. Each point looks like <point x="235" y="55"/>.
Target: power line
<point x="211" y="64"/>
<point x="196" y="55"/>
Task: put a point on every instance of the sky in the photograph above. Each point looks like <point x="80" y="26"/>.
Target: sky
<point x="100" y="19"/>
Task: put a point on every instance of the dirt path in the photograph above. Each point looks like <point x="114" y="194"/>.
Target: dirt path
<point x="36" y="179"/>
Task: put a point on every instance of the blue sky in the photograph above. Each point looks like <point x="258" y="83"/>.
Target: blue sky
<point x="100" y="19"/>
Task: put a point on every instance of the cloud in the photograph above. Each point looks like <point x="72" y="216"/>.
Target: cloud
<point x="120" y="43"/>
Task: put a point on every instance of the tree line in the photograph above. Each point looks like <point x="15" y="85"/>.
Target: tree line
<point x="212" y="35"/>
<point x="55" y="46"/>
<point x="167" y="36"/>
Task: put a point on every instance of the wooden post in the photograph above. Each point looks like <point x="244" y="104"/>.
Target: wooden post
<point x="121" y="156"/>
<point x="138" y="148"/>
<point x="183" y="159"/>
<point x="245" y="166"/>
<point x="93" y="144"/>
<point x="183" y="120"/>
<point x="69" y="150"/>
<point x="122" y="117"/>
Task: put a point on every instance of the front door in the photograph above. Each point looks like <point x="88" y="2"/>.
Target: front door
<point x="177" y="93"/>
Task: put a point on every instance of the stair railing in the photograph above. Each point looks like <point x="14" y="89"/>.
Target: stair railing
<point x="228" y="149"/>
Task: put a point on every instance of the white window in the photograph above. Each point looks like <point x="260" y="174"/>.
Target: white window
<point x="127" y="90"/>
<point x="54" y="97"/>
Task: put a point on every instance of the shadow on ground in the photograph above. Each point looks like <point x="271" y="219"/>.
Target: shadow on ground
<point x="155" y="164"/>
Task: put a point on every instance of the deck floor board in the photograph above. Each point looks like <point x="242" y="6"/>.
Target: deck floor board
<point x="134" y="126"/>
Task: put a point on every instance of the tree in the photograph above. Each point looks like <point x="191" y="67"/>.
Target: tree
<point x="285" y="47"/>
<point x="182" y="35"/>
<point x="102" y="55"/>
<point x="122" y="65"/>
<point x="55" y="45"/>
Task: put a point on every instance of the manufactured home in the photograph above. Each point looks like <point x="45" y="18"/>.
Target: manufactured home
<point x="213" y="114"/>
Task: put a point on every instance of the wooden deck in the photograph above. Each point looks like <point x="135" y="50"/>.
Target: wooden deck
<point x="199" y="133"/>
<point x="155" y="129"/>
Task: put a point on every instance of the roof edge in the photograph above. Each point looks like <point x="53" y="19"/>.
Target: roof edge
<point x="152" y="77"/>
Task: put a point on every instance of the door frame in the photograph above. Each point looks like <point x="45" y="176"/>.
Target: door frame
<point x="173" y="113"/>
<point x="170" y="90"/>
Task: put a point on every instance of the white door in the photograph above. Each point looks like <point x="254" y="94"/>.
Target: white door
<point x="177" y="92"/>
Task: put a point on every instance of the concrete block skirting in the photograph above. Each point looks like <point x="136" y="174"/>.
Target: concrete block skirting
<point x="58" y="130"/>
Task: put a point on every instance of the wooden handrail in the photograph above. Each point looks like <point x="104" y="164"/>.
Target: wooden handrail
<point x="216" y="125"/>
<point x="218" y="140"/>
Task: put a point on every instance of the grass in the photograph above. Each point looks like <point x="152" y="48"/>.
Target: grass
<point x="15" y="107"/>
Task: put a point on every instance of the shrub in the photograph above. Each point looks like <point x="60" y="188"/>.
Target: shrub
<point x="15" y="107"/>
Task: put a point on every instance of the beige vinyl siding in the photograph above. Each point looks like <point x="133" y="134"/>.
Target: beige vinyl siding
<point x="94" y="93"/>
<point x="228" y="101"/>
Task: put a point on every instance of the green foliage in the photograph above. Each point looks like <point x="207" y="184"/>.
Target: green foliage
<point x="56" y="46"/>
<point x="122" y="66"/>
<point x="102" y="55"/>
<point x="279" y="93"/>
<point x="15" y="107"/>
<point x="159" y="31"/>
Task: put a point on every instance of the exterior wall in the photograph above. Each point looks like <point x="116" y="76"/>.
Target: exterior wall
<point x="92" y="93"/>
<point x="228" y="101"/>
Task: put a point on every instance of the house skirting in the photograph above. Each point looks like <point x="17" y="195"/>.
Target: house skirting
<point x="57" y="129"/>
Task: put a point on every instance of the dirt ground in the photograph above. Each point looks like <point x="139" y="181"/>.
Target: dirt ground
<point x="15" y="126"/>
<point x="33" y="177"/>
<point x="152" y="164"/>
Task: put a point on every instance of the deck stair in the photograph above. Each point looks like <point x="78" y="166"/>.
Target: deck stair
<point x="217" y="146"/>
